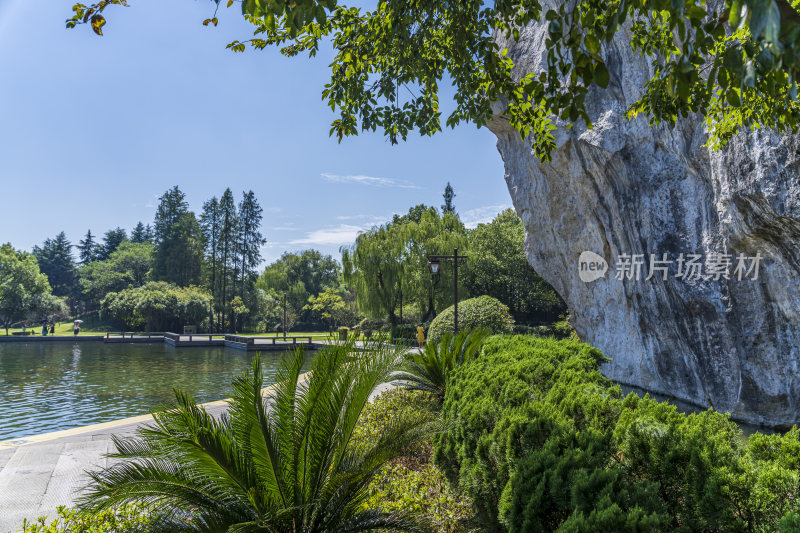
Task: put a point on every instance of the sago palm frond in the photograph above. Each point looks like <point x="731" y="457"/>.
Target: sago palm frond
<point x="427" y="370"/>
<point x="284" y="462"/>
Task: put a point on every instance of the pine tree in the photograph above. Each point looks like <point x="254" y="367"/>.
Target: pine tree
<point x="172" y="205"/>
<point x="141" y="233"/>
<point x="448" y="195"/>
<point x="250" y="239"/>
<point x="186" y="251"/>
<point x="228" y="238"/>
<point x="178" y="239"/>
<point x="56" y="261"/>
<point x="210" y="226"/>
<point x="111" y="241"/>
<point x="87" y="249"/>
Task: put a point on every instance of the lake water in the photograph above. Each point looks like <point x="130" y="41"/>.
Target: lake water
<point x="49" y="386"/>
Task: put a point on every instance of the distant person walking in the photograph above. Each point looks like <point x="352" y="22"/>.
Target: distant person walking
<point x="420" y="336"/>
<point x="52" y="328"/>
<point x="44" y="329"/>
<point x="76" y="328"/>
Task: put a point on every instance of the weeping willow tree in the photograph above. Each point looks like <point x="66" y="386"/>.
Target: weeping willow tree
<point x="432" y="235"/>
<point x="373" y="266"/>
<point x="388" y="265"/>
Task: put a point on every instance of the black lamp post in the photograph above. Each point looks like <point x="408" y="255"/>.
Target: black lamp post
<point x="434" y="261"/>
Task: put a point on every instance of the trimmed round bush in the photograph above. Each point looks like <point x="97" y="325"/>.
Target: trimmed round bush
<point x="483" y="311"/>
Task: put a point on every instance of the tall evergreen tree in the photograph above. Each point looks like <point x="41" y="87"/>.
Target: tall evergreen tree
<point x="250" y="239"/>
<point x="88" y="248"/>
<point x="210" y="226"/>
<point x="172" y="205"/>
<point x="185" y="263"/>
<point x="111" y="241"/>
<point x="56" y="262"/>
<point x="228" y="238"/>
<point x="448" y="196"/>
<point x="178" y="239"/>
<point x="141" y="233"/>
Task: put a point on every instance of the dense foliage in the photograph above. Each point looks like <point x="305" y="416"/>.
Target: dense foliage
<point x="25" y="293"/>
<point x="737" y="62"/>
<point x="310" y="285"/>
<point x="127" y="267"/>
<point x="481" y="312"/>
<point x="428" y="370"/>
<point x="497" y="267"/>
<point x="541" y="441"/>
<point x="157" y="306"/>
<point x="389" y="264"/>
<point x="411" y="482"/>
<point x="126" y="519"/>
<point x="282" y="462"/>
<point x="56" y="262"/>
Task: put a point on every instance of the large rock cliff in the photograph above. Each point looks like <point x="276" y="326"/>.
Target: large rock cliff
<point x="628" y="188"/>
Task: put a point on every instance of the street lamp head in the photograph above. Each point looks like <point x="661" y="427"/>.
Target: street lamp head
<point x="434" y="264"/>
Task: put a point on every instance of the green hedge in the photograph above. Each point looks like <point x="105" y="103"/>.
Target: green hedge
<point x="561" y="329"/>
<point x="483" y="311"/>
<point x="404" y="332"/>
<point x="541" y="441"/>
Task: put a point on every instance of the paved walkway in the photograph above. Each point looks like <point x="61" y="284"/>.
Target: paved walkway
<point x="37" y="474"/>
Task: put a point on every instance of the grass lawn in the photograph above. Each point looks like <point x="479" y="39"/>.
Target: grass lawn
<point x="65" y="328"/>
<point x="62" y="328"/>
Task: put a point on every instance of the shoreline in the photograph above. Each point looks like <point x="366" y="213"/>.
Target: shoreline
<point x="104" y="427"/>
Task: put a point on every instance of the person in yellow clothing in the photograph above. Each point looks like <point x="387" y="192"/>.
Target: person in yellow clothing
<point x="420" y="336"/>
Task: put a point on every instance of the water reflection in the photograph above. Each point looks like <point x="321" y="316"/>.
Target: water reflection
<point x="51" y="386"/>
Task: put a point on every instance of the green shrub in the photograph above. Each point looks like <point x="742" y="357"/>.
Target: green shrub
<point x="428" y="370"/>
<point x="489" y="404"/>
<point x="411" y="483"/>
<point x="128" y="519"/>
<point x="560" y="330"/>
<point x="404" y="333"/>
<point x="541" y="441"/>
<point x="564" y="330"/>
<point x="480" y="312"/>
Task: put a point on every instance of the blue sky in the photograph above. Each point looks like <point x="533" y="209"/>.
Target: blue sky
<point x="93" y="130"/>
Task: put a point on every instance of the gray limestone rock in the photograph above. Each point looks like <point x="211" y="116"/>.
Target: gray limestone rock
<point x="625" y="187"/>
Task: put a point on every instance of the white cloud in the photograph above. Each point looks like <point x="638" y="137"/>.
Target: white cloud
<point x="368" y="180"/>
<point x="341" y="234"/>
<point x="482" y="215"/>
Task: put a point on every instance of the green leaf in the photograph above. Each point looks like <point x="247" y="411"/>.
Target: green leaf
<point x="321" y="16"/>
<point x="97" y="24"/>
<point x="733" y="98"/>
<point x="772" y="25"/>
<point x="592" y="44"/>
<point x="601" y="75"/>
<point x="758" y="19"/>
<point x="734" y="16"/>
